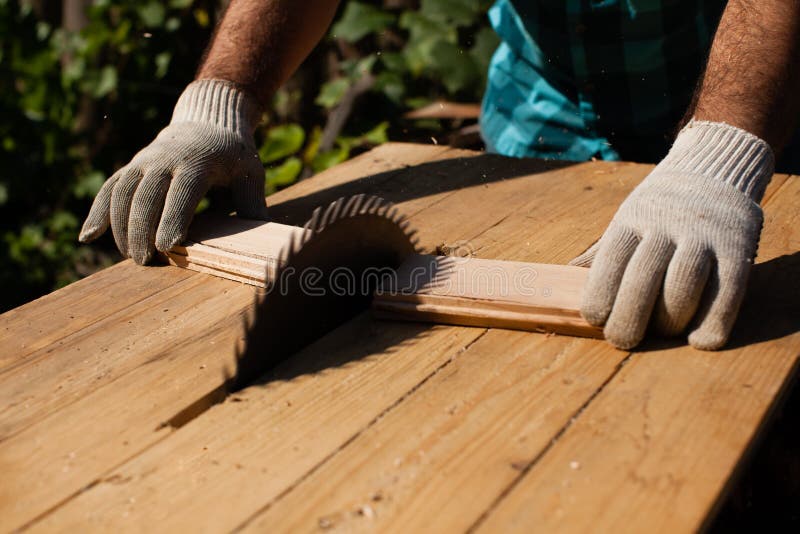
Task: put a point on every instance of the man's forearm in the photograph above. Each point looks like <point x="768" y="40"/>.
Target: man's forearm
<point x="752" y="78"/>
<point x="260" y="43"/>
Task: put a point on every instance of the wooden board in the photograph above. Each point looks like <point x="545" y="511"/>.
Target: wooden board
<point x="674" y="420"/>
<point x="384" y="425"/>
<point x="47" y="320"/>
<point x="467" y="291"/>
<point x="96" y="395"/>
<point x="339" y="415"/>
<point x="237" y="249"/>
<point x="443" y="289"/>
<point x="445" y="110"/>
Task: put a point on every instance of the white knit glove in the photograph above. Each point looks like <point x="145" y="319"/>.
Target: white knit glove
<point x="209" y="142"/>
<point x="683" y="242"/>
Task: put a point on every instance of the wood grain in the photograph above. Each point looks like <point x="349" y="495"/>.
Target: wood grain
<point x="47" y="320"/>
<point x="461" y="291"/>
<point x="660" y="442"/>
<point x="439" y="459"/>
<point x="112" y="393"/>
<point x="536" y="297"/>
<point x="235" y="249"/>
<point x="224" y="466"/>
<point x="101" y="354"/>
<point x="471" y="415"/>
<point x="333" y="405"/>
<point x="74" y="416"/>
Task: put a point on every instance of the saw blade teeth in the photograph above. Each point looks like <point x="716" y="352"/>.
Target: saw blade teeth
<point x="365" y="205"/>
<point x="393" y="213"/>
<point x="385" y="209"/>
<point x="331" y="213"/>
<point x="313" y="223"/>
<point x="371" y="205"/>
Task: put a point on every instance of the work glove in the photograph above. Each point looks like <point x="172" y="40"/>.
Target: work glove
<point x="681" y="245"/>
<point x="150" y="202"/>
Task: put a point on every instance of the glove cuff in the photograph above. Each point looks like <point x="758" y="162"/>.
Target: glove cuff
<point x="218" y="102"/>
<point x="724" y="152"/>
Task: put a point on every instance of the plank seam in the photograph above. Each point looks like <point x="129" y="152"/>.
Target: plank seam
<point x="44" y="351"/>
<point x="530" y="465"/>
<point x="161" y="354"/>
<point x="759" y="435"/>
<point x="775" y="193"/>
<point x="355" y="436"/>
<point x="98" y="480"/>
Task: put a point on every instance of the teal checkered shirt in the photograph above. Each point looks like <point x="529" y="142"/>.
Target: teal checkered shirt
<point x="577" y="79"/>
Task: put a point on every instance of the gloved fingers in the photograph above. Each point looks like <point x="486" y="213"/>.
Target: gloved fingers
<point x="721" y="303"/>
<point x="614" y="251"/>
<point x="148" y="202"/>
<point x="586" y="259"/>
<point x="248" y="191"/>
<point x="121" y="200"/>
<point x="185" y="193"/>
<point x="684" y="281"/>
<point x="98" y="219"/>
<point x="638" y="292"/>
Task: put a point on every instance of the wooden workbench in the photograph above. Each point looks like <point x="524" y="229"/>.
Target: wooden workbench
<point x="109" y="388"/>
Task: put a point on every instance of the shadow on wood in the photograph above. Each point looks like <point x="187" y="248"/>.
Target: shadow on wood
<point x="417" y="181"/>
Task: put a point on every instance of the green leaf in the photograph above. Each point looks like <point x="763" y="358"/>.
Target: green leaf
<point x="422" y="28"/>
<point x="326" y="160"/>
<point x="106" y="81"/>
<point x="162" y="61"/>
<point x="312" y="147"/>
<point x="202" y="205"/>
<point x="172" y="24"/>
<point x="3" y="194"/>
<point x="180" y="4"/>
<point x="202" y="17"/>
<point x="483" y="48"/>
<point x="283" y="175"/>
<point x="391" y="84"/>
<point x="357" y="69"/>
<point x="152" y="14"/>
<point x="89" y="185"/>
<point x="377" y="135"/>
<point x="332" y="92"/>
<point x="394" y="61"/>
<point x="282" y="141"/>
<point x="360" y="19"/>
<point x="451" y="12"/>
<point x="456" y="67"/>
<point x="62" y="221"/>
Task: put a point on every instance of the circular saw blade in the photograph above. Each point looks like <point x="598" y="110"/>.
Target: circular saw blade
<point x="327" y="275"/>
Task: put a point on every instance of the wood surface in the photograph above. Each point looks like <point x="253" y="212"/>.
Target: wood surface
<point x="675" y="420"/>
<point x="383" y="425"/>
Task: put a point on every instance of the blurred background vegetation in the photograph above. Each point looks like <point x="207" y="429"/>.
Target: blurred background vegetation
<point x="85" y="84"/>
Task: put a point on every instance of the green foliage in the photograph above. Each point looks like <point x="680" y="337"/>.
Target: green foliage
<point x="410" y="57"/>
<point x="75" y="106"/>
<point x="359" y="20"/>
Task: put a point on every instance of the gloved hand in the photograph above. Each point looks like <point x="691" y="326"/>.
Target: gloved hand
<point x="683" y="242"/>
<point x="209" y="142"/>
